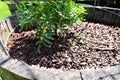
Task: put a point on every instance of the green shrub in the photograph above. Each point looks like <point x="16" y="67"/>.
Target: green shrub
<point x="51" y="18"/>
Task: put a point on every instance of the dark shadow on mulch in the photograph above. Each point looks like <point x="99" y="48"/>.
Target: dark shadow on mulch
<point x="23" y="47"/>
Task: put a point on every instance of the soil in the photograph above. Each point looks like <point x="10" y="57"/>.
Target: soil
<point x="86" y="45"/>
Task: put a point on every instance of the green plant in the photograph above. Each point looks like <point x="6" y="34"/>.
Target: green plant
<point x="51" y="18"/>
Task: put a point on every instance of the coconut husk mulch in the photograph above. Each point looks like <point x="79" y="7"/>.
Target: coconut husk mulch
<point x="86" y="45"/>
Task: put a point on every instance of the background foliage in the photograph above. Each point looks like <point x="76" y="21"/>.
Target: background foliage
<point x="4" y="10"/>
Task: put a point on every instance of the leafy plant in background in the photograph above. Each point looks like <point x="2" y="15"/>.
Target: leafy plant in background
<point x="51" y="18"/>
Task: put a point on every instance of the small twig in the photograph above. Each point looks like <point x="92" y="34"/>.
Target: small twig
<point x="81" y="76"/>
<point x="105" y="48"/>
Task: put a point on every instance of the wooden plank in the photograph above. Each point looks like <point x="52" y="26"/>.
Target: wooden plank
<point x="4" y="32"/>
<point x="5" y="29"/>
<point x="9" y="25"/>
<point x="0" y="49"/>
<point x="6" y="26"/>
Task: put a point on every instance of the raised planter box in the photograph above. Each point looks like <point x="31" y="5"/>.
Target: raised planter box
<point x="8" y="25"/>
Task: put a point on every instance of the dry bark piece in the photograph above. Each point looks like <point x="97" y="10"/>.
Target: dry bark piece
<point x="103" y="48"/>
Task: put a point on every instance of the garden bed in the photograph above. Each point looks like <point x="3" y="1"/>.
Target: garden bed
<point x="97" y="46"/>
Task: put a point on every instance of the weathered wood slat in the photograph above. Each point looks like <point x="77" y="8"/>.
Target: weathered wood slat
<point x="103" y="14"/>
<point x="5" y="30"/>
<point x="6" y="27"/>
<point x="0" y="49"/>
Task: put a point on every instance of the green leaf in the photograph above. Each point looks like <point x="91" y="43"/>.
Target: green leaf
<point x="49" y="37"/>
<point x="38" y="48"/>
<point x="38" y="42"/>
<point x="45" y="44"/>
<point x="48" y="41"/>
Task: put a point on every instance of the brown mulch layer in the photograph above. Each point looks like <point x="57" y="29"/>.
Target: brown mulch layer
<point x="93" y="45"/>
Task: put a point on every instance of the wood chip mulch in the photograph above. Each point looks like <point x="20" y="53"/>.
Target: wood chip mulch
<point x="87" y="45"/>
